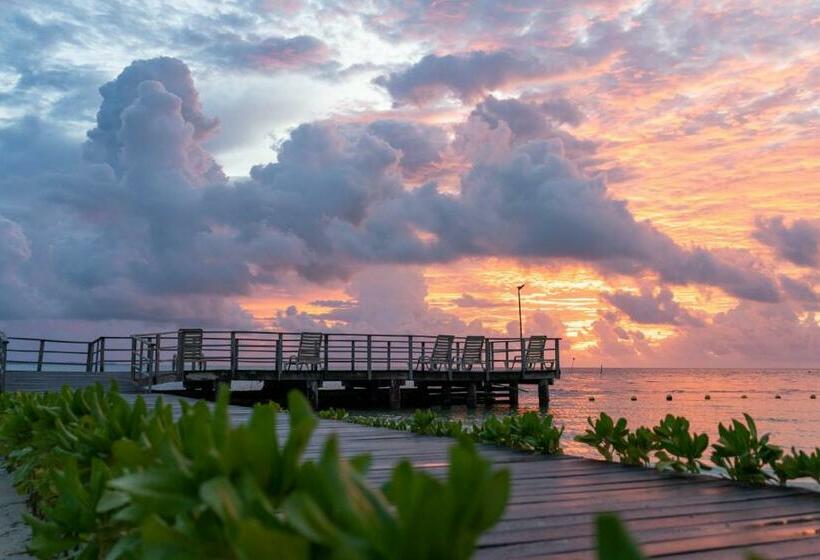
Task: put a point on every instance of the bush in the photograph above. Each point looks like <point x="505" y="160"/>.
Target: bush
<point x="743" y="454"/>
<point x="679" y="450"/>
<point x="798" y="465"/>
<point x="119" y="481"/>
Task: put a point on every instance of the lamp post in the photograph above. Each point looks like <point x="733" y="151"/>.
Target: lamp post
<point x="521" y="325"/>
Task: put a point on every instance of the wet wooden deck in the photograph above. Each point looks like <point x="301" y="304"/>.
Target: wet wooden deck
<point x="554" y="501"/>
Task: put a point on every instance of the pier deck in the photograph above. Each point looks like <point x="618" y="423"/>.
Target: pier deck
<point x="555" y="499"/>
<point x="370" y="367"/>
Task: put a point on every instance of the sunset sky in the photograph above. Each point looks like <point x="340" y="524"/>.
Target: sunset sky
<point x="651" y="170"/>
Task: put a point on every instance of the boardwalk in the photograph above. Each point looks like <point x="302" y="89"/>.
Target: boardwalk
<point x="554" y="500"/>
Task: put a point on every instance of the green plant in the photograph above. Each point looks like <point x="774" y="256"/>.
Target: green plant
<point x="798" y="465"/>
<point x="613" y="541"/>
<point x="333" y="414"/>
<point x="529" y="432"/>
<point x="743" y="454"/>
<point x="125" y="482"/>
<point x="677" y="449"/>
<point x="605" y="435"/>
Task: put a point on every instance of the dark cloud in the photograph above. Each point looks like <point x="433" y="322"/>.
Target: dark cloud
<point x="654" y="307"/>
<point x="268" y="53"/>
<point x="420" y="145"/>
<point x="798" y="243"/>
<point x="467" y="76"/>
<point x="802" y="290"/>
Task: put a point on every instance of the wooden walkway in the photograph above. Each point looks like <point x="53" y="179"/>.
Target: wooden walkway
<point x="554" y="501"/>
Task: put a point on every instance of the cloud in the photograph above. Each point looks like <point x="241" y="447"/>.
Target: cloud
<point x="104" y="144"/>
<point x="384" y="299"/>
<point x="798" y="243"/>
<point x="269" y="53"/>
<point x="467" y="75"/>
<point x="467" y="300"/>
<point x="655" y="307"/>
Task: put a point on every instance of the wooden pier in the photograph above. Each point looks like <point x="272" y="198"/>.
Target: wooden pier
<point x="555" y="499"/>
<point x="365" y="368"/>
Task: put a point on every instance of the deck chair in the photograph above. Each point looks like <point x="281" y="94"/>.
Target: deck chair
<point x="472" y="353"/>
<point x="442" y="356"/>
<point x="308" y="353"/>
<point x="189" y="349"/>
<point x="535" y="354"/>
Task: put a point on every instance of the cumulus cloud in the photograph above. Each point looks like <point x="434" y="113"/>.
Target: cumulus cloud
<point x="798" y="243"/>
<point x="655" y="307"/>
<point x="468" y="300"/>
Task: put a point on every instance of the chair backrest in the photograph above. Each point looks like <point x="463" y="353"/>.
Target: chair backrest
<point x="190" y="343"/>
<point x="473" y="345"/>
<point x="535" y="348"/>
<point x="443" y="348"/>
<point x="309" y="346"/>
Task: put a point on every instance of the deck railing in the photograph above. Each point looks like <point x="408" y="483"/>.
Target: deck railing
<point x="4" y="342"/>
<point x="147" y="354"/>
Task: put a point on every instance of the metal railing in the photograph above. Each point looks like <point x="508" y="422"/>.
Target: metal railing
<point x="251" y="352"/>
<point x="266" y="351"/>
<point x="4" y="342"/>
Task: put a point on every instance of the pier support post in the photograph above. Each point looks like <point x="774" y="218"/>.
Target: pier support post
<point x="514" y="395"/>
<point x="543" y="394"/>
<point x="472" y="399"/>
<point x="395" y="395"/>
<point x="312" y="392"/>
<point x="424" y="394"/>
<point x="373" y="391"/>
<point x="445" y="393"/>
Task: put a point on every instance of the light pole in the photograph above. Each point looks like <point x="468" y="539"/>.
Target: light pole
<point x="521" y="325"/>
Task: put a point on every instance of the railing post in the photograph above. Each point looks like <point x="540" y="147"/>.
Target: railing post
<point x="326" y="357"/>
<point x="389" y="354"/>
<point x="488" y="360"/>
<point x="234" y="354"/>
<point x="40" y="353"/>
<point x="369" y="356"/>
<point x="89" y="358"/>
<point x="102" y="354"/>
<point x="180" y="365"/>
<point x="558" y="356"/>
<point x="157" y="347"/>
<point x="4" y="348"/>
<point x="410" y="356"/>
<point x="279" y="341"/>
<point x="134" y="358"/>
<point x="353" y="355"/>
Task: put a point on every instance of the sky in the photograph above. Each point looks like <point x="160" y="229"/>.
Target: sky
<point x="650" y="170"/>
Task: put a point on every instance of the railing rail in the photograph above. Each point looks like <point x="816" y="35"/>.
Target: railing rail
<point x="147" y="354"/>
<point x="4" y="342"/>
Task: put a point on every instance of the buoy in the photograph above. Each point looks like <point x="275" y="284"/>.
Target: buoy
<point x="708" y="398"/>
<point x="743" y="396"/>
<point x="777" y="396"/>
<point x="669" y="397"/>
<point x="813" y="397"/>
<point x="592" y="398"/>
<point x="633" y="398"/>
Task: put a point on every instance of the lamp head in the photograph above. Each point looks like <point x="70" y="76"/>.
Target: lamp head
<point x="521" y="286"/>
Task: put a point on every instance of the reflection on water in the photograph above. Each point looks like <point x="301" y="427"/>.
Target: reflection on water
<point x="792" y="420"/>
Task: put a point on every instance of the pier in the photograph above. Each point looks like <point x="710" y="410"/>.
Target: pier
<point x="366" y="369"/>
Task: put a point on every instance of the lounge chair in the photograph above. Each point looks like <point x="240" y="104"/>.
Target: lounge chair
<point x="189" y="349"/>
<point x="442" y="356"/>
<point x="308" y="353"/>
<point x="535" y="354"/>
<point x="472" y="353"/>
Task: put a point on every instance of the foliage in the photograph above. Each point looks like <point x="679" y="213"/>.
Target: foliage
<point x="677" y="449"/>
<point x="613" y="540"/>
<point x="119" y="481"/>
<point x="529" y="432"/>
<point x="743" y="454"/>
<point x="607" y="436"/>
<point x="798" y="465"/>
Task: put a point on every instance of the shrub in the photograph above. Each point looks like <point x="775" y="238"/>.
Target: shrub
<point x="798" y="465"/>
<point x="605" y="435"/>
<point x="529" y="432"/>
<point x="678" y="449"/>
<point x="743" y="454"/>
<point x="134" y="483"/>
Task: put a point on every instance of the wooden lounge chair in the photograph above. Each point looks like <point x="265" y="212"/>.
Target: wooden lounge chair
<point x="535" y="354"/>
<point x="472" y="353"/>
<point x="442" y="356"/>
<point x="189" y="349"/>
<point x="308" y="353"/>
